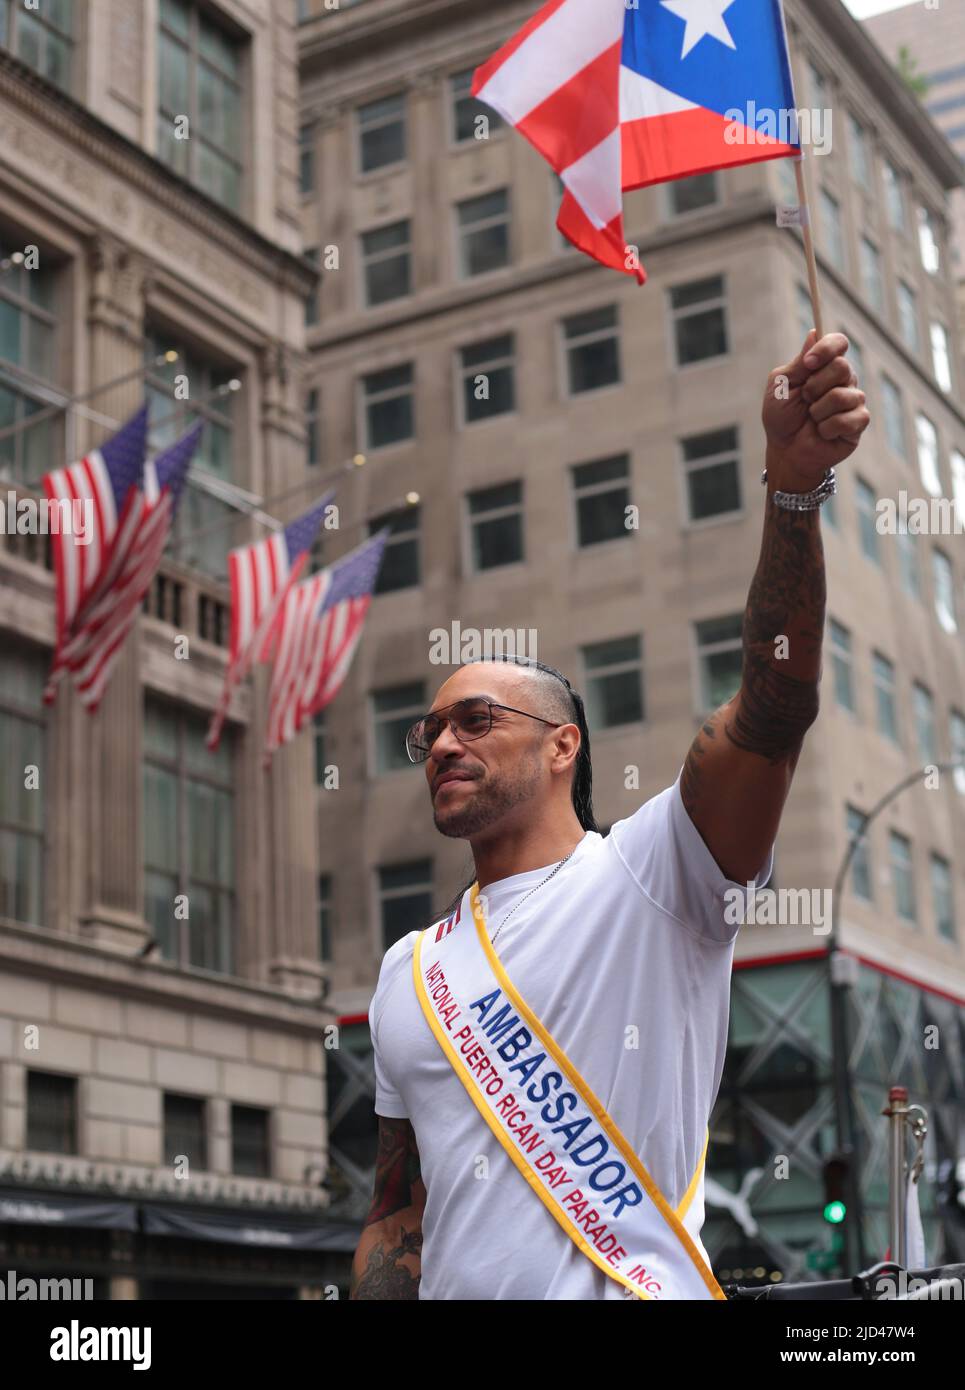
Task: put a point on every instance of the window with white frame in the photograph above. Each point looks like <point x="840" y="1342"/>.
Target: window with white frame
<point x="495" y="526"/>
<point x="860" y="154"/>
<point x="943" y="577"/>
<point x="908" y="316"/>
<point x="471" y="120"/>
<point x="42" y="36"/>
<point x="614" y="682"/>
<point x="861" y="879"/>
<point x="712" y="474"/>
<point x="689" y="195"/>
<point x="942" y="896"/>
<point x="591" y="343"/>
<point x="886" y="706"/>
<point x="200" y="77"/>
<point x="941" y="360"/>
<point x="833" y="230"/>
<point x="902" y="876"/>
<point x="405" y="899"/>
<point x="699" y="313"/>
<point x="29" y="331"/>
<point x="388" y="406"/>
<point x="601" y="492"/>
<point x="927" y="437"/>
<point x="894" y="417"/>
<point x="957" y="463"/>
<point x="381" y="133"/>
<point x="487" y="373"/>
<point x="923" y="710"/>
<point x="23" y="740"/>
<point x="719" y="659"/>
<point x="394" y="710"/>
<point x="928" y="242"/>
<point x="909" y="567"/>
<point x="387" y="263"/>
<point x="871" y="277"/>
<point x="400" y="559"/>
<point x="865" y="503"/>
<point x="483" y="230"/>
<point x="895" y="198"/>
<point x="842" y="666"/>
<point x="956" y="733"/>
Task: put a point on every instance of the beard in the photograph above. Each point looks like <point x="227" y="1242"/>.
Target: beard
<point x="490" y="802"/>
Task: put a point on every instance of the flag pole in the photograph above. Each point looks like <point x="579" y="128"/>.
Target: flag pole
<point x="69" y="401"/>
<point x="802" y="197"/>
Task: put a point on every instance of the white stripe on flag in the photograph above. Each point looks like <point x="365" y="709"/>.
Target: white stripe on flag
<point x="595" y="180"/>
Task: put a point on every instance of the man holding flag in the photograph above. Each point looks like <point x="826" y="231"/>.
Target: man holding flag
<point x="547" y="1055"/>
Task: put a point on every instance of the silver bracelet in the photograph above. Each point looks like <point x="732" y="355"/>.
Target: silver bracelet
<point x="805" y="501"/>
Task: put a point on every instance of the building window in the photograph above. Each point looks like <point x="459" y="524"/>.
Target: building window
<point x="820" y="92"/>
<point x="688" y="195"/>
<point x="496" y="526"/>
<point x="306" y="159"/>
<point x="942" y="896"/>
<point x="856" y="354"/>
<point x="805" y="311"/>
<point x="895" y="199"/>
<point x="712" y="474"/>
<point x="51" y="1113"/>
<point x="188" y="839"/>
<point x="927" y="437"/>
<point x="487" y="373"/>
<point x="614" y="682"/>
<point x="865" y="502"/>
<point x="842" y="667"/>
<point x="719" y="659"/>
<point x="923" y="705"/>
<point x="200" y="78"/>
<point x="483" y="224"/>
<point x="902" y="876"/>
<point x="185" y="1131"/>
<point x="319" y="746"/>
<point x="22" y="814"/>
<point x="957" y="462"/>
<point x="908" y="317"/>
<point x="699" y="320"/>
<point x="387" y="263"/>
<point x="928" y="242"/>
<point x="601" y="491"/>
<point x="592" y="346"/>
<point x="400" y="558"/>
<point x="894" y="415"/>
<point x="833" y="231"/>
<point x="203" y="520"/>
<point x="28" y="344"/>
<point x="941" y="361"/>
<point x="250" y="1146"/>
<point x="405" y="899"/>
<point x="908" y="566"/>
<point x="381" y="127"/>
<point x="883" y="676"/>
<point x="944" y="580"/>
<point x="311" y="299"/>
<point x="471" y="120"/>
<point x="394" y="710"/>
<point x="41" y="36"/>
<point x="388" y="406"/>
<point x="860" y="154"/>
<point x="313" y="425"/>
<point x="871" y="277"/>
<point x="861" y="881"/>
<point x="956" y="728"/>
<point x="324" y="917"/>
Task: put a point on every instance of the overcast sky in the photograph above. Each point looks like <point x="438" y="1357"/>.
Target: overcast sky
<point x="861" y="9"/>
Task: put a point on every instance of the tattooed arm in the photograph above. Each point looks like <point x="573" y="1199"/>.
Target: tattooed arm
<point x="388" y="1261"/>
<point x="739" y="768"/>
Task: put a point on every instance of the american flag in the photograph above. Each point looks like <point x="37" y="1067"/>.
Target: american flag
<point x="261" y="576"/>
<point x="92" y="650"/>
<point x="320" y="627"/>
<point x="110" y="478"/>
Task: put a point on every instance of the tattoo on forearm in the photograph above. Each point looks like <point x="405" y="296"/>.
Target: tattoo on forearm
<point x="384" y="1277"/>
<point x="779" y="699"/>
<point x="378" y="1271"/>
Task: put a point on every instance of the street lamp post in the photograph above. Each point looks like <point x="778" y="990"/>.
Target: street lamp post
<point x="840" y="984"/>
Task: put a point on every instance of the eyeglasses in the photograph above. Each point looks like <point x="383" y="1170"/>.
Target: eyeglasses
<point x="468" y="720"/>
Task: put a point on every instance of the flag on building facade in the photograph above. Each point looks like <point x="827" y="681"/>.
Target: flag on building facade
<point x="617" y="97"/>
<point x="111" y="480"/>
<point x="261" y="575"/>
<point x="91" y="650"/>
<point x="319" y="630"/>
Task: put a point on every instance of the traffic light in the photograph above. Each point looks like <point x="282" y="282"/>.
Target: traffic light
<point x="835" y="1174"/>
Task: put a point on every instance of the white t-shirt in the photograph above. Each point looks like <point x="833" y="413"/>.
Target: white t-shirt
<point x="630" y="935"/>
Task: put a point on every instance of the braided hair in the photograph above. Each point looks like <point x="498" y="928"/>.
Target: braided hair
<point x="568" y="703"/>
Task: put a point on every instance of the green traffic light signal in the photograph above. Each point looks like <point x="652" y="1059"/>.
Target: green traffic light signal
<point x="835" y="1212"/>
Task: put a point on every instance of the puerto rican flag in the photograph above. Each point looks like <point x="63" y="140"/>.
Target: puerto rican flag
<point x="616" y="98"/>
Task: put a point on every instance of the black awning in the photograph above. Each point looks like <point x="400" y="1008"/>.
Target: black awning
<point x="268" y="1232"/>
<point x="49" y="1209"/>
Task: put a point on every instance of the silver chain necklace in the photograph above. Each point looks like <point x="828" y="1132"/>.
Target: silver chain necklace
<point x="555" y="870"/>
